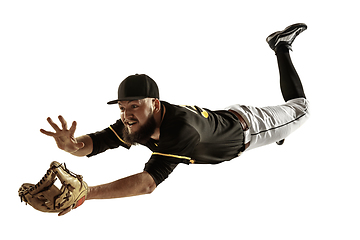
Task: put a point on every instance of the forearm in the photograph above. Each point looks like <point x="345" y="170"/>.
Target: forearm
<point x="88" y="146"/>
<point x="138" y="184"/>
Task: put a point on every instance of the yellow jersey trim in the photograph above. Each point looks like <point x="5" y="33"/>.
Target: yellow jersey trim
<point x="174" y="156"/>
<point x="118" y="136"/>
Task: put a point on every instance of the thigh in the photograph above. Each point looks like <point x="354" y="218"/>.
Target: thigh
<point x="273" y="123"/>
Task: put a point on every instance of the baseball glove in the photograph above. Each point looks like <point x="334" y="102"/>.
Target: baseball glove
<point x="46" y="197"/>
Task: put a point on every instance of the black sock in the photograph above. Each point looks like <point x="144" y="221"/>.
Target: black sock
<point x="290" y="83"/>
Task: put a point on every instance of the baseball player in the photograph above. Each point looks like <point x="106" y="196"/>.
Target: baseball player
<point x="188" y="134"/>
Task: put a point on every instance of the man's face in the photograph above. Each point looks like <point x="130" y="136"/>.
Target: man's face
<point x="138" y="119"/>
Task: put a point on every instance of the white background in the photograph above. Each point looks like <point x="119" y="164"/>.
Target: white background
<point x="68" y="57"/>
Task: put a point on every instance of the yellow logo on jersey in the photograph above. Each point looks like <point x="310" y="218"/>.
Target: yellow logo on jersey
<point x="205" y="114"/>
<point x="196" y="110"/>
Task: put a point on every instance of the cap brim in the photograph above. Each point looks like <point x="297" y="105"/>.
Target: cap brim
<point x="113" y="102"/>
<point x="126" y="99"/>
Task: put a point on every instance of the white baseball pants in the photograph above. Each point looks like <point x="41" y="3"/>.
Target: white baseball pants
<point x="272" y="124"/>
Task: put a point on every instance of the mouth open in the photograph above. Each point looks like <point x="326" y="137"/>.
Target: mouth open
<point x="130" y="124"/>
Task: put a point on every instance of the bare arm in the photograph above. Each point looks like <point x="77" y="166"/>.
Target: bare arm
<point x="138" y="184"/>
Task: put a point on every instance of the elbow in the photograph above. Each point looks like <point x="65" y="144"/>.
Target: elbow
<point x="150" y="188"/>
<point x="150" y="184"/>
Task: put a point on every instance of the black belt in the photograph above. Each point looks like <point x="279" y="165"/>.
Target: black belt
<point x="243" y="124"/>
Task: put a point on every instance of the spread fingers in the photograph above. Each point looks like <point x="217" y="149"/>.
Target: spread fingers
<point x="63" y="122"/>
<point x="54" y="126"/>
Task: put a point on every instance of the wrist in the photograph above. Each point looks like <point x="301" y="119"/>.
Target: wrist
<point x="89" y="193"/>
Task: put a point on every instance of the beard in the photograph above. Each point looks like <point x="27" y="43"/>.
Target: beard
<point x="143" y="134"/>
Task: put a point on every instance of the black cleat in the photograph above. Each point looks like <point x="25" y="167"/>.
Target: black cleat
<point x="281" y="142"/>
<point x="285" y="37"/>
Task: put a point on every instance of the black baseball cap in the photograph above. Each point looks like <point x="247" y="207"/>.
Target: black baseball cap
<point x="136" y="87"/>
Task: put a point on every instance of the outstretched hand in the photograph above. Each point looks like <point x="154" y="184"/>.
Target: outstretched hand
<point x="64" y="137"/>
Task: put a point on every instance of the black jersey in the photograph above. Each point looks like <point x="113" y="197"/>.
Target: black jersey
<point x="188" y="134"/>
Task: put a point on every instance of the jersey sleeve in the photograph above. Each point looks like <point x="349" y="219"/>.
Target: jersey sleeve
<point x="159" y="170"/>
<point x="109" y="138"/>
